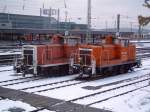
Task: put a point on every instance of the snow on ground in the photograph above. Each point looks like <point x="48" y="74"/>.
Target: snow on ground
<point x="6" y="68"/>
<point x="78" y="91"/>
<point x="8" y="75"/>
<point x="141" y="41"/>
<point x="41" y="82"/>
<point x="108" y="94"/>
<point x="46" y="111"/>
<point x="138" y="101"/>
<point x="9" y="105"/>
<point x="141" y="54"/>
<point x="142" y="45"/>
<point x="9" y="53"/>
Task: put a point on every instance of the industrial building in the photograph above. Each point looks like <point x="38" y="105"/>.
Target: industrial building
<point x="12" y="26"/>
<point x="8" y="21"/>
<point x="15" y="26"/>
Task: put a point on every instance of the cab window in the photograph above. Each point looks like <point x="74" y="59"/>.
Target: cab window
<point x="125" y="43"/>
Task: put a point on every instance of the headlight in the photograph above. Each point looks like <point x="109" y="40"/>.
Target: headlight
<point x="89" y="68"/>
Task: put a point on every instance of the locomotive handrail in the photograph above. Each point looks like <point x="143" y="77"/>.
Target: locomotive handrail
<point x="44" y="56"/>
<point x="73" y="55"/>
<point x="100" y="58"/>
<point x="107" y="55"/>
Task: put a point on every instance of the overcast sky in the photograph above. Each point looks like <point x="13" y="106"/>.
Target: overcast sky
<point x="103" y="11"/>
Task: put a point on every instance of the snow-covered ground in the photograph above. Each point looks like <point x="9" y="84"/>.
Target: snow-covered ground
<point x="141" y="41"/>
<point x="7" y="105"/>
<point x="8" y="75"/>
<point x="142" y="45"/>
<point x="9" y="52"/>
<point x="136" y="101"/>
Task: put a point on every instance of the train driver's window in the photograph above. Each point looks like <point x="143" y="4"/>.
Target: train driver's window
<point x="72" y="42"/>
<point x="125" y="43"/>
<point x="103" y="41"/>
<point x="116" y="41"/>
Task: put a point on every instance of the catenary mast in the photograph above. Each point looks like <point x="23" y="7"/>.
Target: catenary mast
<point x="88" y="37"/>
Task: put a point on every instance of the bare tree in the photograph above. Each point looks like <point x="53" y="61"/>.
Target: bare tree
<point x="143" y="21"/>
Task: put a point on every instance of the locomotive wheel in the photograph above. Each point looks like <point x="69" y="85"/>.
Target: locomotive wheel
<point x="127" y="68"/>
<point x="64" y="70"/>
<point x="122" y="69"/>
<point x="18" y="70"/>
<point x="115" y="70"/>
<point x="106" y="72"/>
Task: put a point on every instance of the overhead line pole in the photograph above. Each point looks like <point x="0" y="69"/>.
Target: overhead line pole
<point x="118" y="25"/>
<point x="66" y="19"/>
<point x="88" y="36"/>
<point x="58" y="19"/>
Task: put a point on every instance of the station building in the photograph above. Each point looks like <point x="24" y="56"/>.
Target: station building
<point x="8" y="21"/>
<point x="14" y="26"/>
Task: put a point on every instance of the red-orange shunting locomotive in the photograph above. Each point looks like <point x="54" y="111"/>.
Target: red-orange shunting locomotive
<point x="48" y="59"/>
<point x="111" y="56"/>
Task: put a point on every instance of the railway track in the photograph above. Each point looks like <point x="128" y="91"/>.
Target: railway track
<point x="15" y="79"/>
<point x="113" y="90"/>
<point x="105" y="99"/>
<point x="143" y="48"/>
<point x="54" y="85"/>
<point x="19" y="82"/>
<point x="6" y="70"/>
<point x="49" y="84"/>
<point x="117" y="82"/>
<point x="22" y="80"/>
<point x="142" y="51"/>
<point x="65" y="83"/>
<point x="143" y="57"/>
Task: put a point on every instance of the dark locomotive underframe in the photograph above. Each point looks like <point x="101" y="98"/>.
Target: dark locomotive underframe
<point x="107" y="70"/>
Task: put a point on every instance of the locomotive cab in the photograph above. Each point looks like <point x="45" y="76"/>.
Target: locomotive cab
<point x="87" y="62"/>
<point x="28" y="64"/>
<point x="29" y="59"/>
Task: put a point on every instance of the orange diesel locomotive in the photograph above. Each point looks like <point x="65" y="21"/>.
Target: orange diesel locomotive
<point x="111" y="56"/>
<point x="48" y="59"/>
